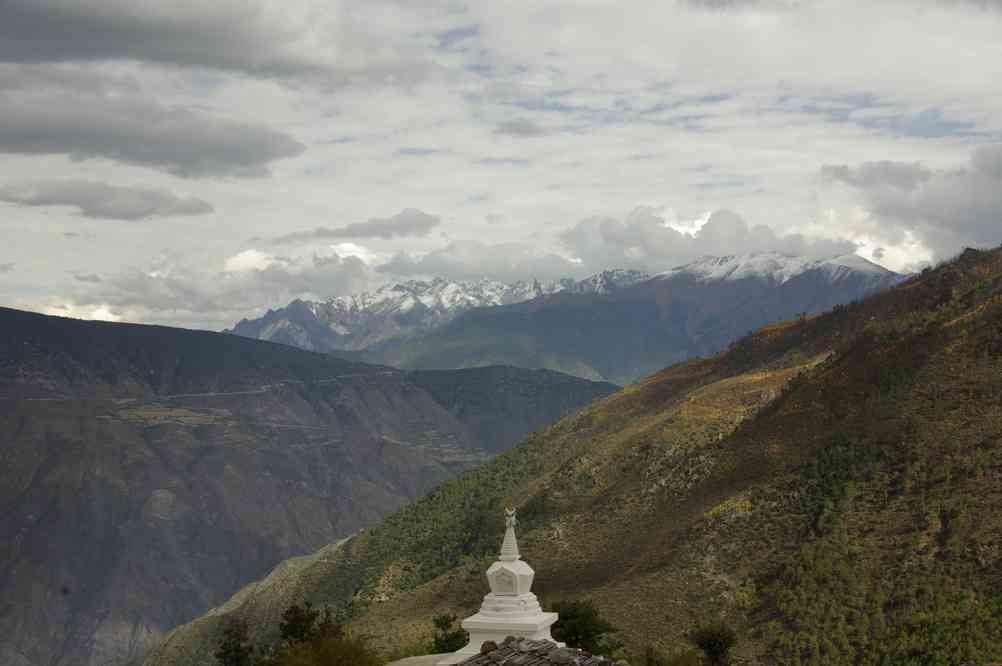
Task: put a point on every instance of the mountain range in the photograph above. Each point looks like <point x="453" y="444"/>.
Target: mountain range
<point x="399" y="311"/>
<point x="827" y="486"/>
<point x="615" y="326"/>
<point x="628" y="333"/>
<point x="392" y="312"/>
<point x="150" y="472"/>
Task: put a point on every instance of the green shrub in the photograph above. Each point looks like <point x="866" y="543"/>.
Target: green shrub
<point x="235" y="648"/>
<point x="715" y="640"/>
<point x="296" y="625"/>
<point x="328" y="651"/>
<point x="581" y="626"/>
<point x="447" y="638"/>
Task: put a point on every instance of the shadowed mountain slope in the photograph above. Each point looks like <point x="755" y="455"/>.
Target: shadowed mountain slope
<point x="149" y="472"/>
<point x="828" y="485"/>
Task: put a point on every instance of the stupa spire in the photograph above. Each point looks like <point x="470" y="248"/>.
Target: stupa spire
<point x="509" y="547"/>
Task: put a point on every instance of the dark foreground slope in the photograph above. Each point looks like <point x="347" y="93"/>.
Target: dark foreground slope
<point x="629" y="333"/>
<point x="149" y="472"/>
<point x="829" y="486"/>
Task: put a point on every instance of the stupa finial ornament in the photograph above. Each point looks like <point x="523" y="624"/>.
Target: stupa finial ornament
<point x="510" y="518"/>
<point x="509" y="547"/>
<point x="510" y="609"/>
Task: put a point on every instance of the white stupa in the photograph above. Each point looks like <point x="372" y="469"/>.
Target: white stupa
<point x="510" y="609"/>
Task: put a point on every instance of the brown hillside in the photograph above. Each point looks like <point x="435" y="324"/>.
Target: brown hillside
<point x="829" y="486"/>
<point x="149" y="472"/>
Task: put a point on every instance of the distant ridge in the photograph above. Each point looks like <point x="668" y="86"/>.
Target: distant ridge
<point x="616" y="325"/>
<point x="776" y="267"/>
<point x="402" y="310"/>
<point x="626" y="330"/>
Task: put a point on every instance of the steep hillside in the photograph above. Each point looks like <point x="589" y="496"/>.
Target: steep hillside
<point x="828" y="485"/>
<point x="499" y="404"/>
<point x="149" y="472"/>
<point x="624" y="334"/>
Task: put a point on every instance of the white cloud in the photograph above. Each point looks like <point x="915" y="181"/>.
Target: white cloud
<point x="101" y="312"/>
<point x="359" y="252"/>
<point x="532" y="116"/>
<point x="175" y="289"/>
<point x="646" y="240"/>
<point x="470" y="259"/>
<point x="248" y="260"/>
<point x="908" y="256"/>
<point x="939" y="209"/>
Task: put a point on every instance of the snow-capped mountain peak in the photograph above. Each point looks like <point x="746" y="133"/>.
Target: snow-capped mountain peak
<point x="440" y="294"/>
<point x="608" y="281"/>
<point x="402" y="310"/>
<point x="391" y="312"/>
<point x="775" y="267"/>
<point x="845" y="264"/>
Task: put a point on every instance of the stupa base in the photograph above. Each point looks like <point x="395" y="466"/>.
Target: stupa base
<point x="485" y="628"/>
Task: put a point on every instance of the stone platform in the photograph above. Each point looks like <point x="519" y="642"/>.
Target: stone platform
<point x="426" y="660"/>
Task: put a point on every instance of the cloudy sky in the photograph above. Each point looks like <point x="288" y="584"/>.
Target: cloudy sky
<point x="195" y="162"/>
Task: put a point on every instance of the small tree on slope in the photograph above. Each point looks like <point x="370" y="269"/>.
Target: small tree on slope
<point x="235" y="648"/>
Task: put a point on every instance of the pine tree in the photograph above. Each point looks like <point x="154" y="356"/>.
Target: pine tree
<point x="299" y="623"/>
<point x="446" y="638"/>
<point x="716" y="641"/>
<point x="581" y="626"/>
<point x="235" y="648"/>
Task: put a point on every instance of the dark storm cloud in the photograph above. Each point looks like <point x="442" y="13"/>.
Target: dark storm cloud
<point x="66" y="77"/>
<point x="877" y="174"/>
<point x="725" y="5"/>
<point x="503" y="162"/>
<point x="219" y="34"/>
<point x="90" y="278"/>
<point x="643" y="241"/>
<point x="451" y="38"/>
<point x="409" y="151"/>
<point x="179" y="141"/>
<point x="98" y="200"/>
<point x="721" y="4"/>
<point x="255" y="37"/>
<point x="946" y="208"/>
<point x="521" y="127"/>
<point x="6" y="268"/>
<point x="410" y="222"/>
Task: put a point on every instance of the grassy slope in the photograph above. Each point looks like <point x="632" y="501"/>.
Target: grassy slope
<point x="845" y="516"/>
